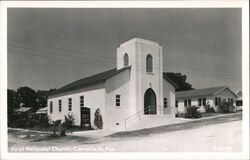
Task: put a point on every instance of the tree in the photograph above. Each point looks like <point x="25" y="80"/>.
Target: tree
<point x="98" y="119"/>
<point x="180" y="80"/>
<point x="12" y="105"/>
<point x="28" y="97"/>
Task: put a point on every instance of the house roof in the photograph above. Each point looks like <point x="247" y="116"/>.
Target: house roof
<point x="97" y="79"/>
<point x="42" y="110"/>
<point x="88" y="81"/>
<point x="23" y="109"/>
<point x="200" y="92"/>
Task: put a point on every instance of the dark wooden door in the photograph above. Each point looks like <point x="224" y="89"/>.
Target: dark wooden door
<point x="85" y="117"/>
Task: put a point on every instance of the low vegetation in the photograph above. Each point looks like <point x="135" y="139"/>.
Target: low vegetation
<point x="98" y="122"/>
<point x="209" y="108"/>
<point x="227" y="107"/>
<point x="192" y="112"/>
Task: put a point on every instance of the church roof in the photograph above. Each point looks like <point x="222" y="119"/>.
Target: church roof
<point x="97" y="79"/>
<point x="88" y="81"/>
<point x="201" y="92"/>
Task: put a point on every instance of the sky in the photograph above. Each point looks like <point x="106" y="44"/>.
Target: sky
<point x="49" y="48"/>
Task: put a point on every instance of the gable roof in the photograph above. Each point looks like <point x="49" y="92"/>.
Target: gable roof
<point x="42" y="110"/>
<point x="165" y="76"/>
<point x="97" y="79"/>
<point x="201" y="92"/>
<point x="88" y="81"/>
<point x="22" y="109"/>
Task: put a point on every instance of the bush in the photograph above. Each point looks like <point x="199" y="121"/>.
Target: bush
<point x="209" y="109"/>
<point x="192" y="112"/>
<point x="44" y="121"/>
<point x="98" y="122"/>
<point x="69" y="121"/>
<point x="227" y="107"/>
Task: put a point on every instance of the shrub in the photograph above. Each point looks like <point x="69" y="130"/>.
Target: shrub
<point x="209" y="109"/>
<point x="44" y="121"/>
<point x="192" y="112"/>
<point x="98" y="122"/>
<point x="69" y="121"/>
<point x="227" y="107"/>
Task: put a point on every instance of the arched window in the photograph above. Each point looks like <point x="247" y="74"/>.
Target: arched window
<point x="149" y="63"/>
<point x="125" y="60"/>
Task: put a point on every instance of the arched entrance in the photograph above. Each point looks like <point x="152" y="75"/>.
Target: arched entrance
<point x="149" y="102"/>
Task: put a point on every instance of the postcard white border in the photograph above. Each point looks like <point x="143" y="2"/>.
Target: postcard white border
<point x="244" y="4"/>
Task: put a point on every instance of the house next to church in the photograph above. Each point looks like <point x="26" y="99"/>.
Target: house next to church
<point x="136" y="88"/>
<point x="201" y="97"/>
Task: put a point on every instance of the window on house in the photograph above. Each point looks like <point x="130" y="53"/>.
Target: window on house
<point x="70" y="104"/>
<point x="204" y="101"/>
<point x="176" y="104"/>
<point x="117" y="100"/>
<point x="239" y="103"/>
<point x="51" y="107"/>
<point x="165" y="102"/>
<point x="149" y="63"/>
<point x="230" y="100"/>
<point x="60" y="105"/>
<point x="216" y="101"/>
<point x="199" y="102"/>
<point x="82" y="101"/>
<point x="185" y="103"/>
<point x="189" y="102"/>
<point x="125" y="60"/>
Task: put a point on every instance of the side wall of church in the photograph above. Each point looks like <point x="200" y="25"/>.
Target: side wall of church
<point x="94" y="97"/>
<point x="118" y="85"/>
<point x="169" y="93"/>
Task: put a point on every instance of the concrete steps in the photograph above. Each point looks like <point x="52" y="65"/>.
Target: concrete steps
<point x="148" y="121"/>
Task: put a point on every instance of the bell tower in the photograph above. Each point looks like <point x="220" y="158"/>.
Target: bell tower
<point x="146" y="61"/>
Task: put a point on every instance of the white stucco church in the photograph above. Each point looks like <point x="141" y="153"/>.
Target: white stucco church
<point x="136" y="88"/>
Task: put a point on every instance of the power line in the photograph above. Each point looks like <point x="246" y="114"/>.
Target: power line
<point x="59" y="49"/>
<point x="99" y="65"/>
<point x="199" y="71"/>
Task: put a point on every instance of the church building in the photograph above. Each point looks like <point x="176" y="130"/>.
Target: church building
<point x="135" y="89"/>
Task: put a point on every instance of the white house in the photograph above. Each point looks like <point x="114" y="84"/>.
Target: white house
<point x="239" y="101"/>
<point x="136" y="87"/>
<point x="202" y="97"/>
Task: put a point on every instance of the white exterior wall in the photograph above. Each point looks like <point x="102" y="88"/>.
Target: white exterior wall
<point x="118" y="85"/>
<point x="195" y="102"/>
<point x="152" y="80"/>
<point x="137" y="50"/>
<point x="94" y="97"/>
<point x="169" y="93"/>
<point x="181" y="108"/>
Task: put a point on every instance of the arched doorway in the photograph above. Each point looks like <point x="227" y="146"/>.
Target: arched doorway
<point x="149" y="102"/>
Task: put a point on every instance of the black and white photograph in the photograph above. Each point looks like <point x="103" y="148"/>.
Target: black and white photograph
<point x="125" y="80"/>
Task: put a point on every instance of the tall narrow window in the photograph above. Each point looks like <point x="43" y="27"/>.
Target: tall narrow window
<point x="125" y="60"/>
<point x="70" y="104"/>
<point x="185" y="103"/>
<point x="199" y="102"/>
<point x="165" y="102"/>
<point x="216" y="101"/>
<point x="81" y="101"/>
<point x="60" y="105"/>
<point x="189" y="102"/>
<point x="149" y="63"/>
<point x="51" y="107"/>
<point x="176" y="104"/>
<point x="204" y="101"/>
<point x="117" y="100"/>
